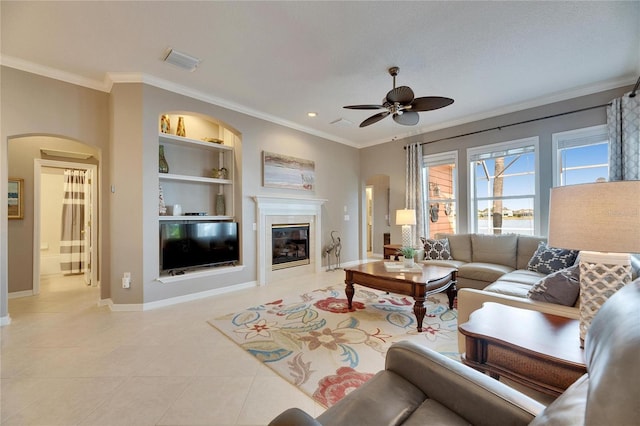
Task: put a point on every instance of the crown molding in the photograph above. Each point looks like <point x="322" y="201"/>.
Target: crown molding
<point x="195" y="94"/>
<point x="112" y="78"/>
<point x="56" y="74"/>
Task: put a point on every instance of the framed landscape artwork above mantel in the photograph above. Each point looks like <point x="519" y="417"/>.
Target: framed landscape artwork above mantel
<point x="15" y="208"/>
<point x="283" y="171"/>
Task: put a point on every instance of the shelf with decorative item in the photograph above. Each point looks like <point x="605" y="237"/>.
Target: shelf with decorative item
<point x="166" y="138"/>
<point x="187" y="178"/>
<point x="196" y="218"/>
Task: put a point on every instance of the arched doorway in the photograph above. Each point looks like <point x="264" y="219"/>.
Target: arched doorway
<point x="36" y="247"/>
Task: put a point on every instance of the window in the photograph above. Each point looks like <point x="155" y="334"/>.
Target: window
<point x="580" y="156"/>
<point x="503" y="187"/>
<point x="441" y="190"/>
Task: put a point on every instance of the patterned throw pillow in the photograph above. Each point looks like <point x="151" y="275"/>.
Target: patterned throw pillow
<point x="436" y="249"/>
<point x="561" y="287"/>
<point x="547" y="260"/>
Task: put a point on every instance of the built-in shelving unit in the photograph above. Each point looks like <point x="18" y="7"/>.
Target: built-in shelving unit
<point x="195" y="181"/>
<point x="190" y="181"/>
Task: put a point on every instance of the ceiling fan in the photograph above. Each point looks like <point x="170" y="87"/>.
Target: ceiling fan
<point x="401" y="103"/>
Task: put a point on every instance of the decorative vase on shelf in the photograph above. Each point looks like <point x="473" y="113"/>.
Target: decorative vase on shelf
<point x="181" y="131"/>
<point x="165" y="124"/>
<point x="220" y="207"/>
<point x="163" y="166"/>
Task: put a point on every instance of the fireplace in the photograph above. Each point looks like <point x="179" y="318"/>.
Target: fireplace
<point x="272" y="210"/>
<point x="289" y="245"/>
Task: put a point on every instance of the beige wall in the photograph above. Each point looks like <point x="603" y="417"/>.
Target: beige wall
<point x="388" y="158"/>
<point x="123" y="127"/>
<point x="33" y="105"/>
<point x="337" y="172"/>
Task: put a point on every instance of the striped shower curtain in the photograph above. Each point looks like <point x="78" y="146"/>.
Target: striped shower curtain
<point x="73" y="210"/>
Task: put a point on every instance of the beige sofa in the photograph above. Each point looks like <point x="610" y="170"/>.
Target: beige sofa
<point x="493" y="268"/>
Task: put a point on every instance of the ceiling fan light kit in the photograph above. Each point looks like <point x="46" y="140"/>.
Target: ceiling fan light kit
<point x="402" y="104"/>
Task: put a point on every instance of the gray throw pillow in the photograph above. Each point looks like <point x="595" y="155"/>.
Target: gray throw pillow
<point x="436" y="249"/>
<point x="547" y="260"/>
<point x="561" y="287"/>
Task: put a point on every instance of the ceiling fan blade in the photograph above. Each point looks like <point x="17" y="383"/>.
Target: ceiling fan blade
<point x="429" y="103"/>
<point x="364" y="106"/>
<point x="407" y="118"/>
<point x="403" y="95"/>
<point x="374" y="118"/>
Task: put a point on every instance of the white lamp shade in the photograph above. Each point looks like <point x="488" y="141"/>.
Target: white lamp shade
<point x="601" y="217"/>
<point x="405" y="217"/>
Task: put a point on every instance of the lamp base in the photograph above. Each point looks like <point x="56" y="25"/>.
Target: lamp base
<point x="601" y="275"/>
<point x="406" y="236"/>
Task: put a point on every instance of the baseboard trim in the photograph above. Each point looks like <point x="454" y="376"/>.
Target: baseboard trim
<point x="5" y="321"/>
<point x="139" y="307"/>
<point x="18" y="294"/>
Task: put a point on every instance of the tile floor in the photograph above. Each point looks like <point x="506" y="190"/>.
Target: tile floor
<point x="66" y="361"/>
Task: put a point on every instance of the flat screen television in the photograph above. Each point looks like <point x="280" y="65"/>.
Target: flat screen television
<point x="185" y="245"/>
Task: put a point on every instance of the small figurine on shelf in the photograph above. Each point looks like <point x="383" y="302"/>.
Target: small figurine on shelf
<point x="181" y="131"/>
<point x="165" y="124"/>
<point x="162" y="208"/>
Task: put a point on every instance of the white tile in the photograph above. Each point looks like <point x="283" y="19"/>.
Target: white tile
<point x="209" y="401"/>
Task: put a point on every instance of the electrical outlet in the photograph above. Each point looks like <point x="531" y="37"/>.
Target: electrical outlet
<point x="126" y="280"/>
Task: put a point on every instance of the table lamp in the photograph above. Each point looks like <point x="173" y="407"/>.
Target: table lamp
<point x="602" y="220"/>
<point x="406" y="218"/>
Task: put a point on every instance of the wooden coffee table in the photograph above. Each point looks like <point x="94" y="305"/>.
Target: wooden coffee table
<point x="419" y="285"/>
<point x="541" y="351"/>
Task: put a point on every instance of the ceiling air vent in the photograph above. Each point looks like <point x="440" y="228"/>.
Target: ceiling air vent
<point x="182" y="60"/>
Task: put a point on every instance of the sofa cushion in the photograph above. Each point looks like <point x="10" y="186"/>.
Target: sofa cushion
<point x="460" y="245"/>
<point x="548" y="260"/>
<point x="437" y="249"/>
<point x="488" y="272"/>
<point x="561" y="287"/>
<point x="509" y="288"/>
<point x="447" y="263"/>
<point x="522" y="276"/>
<point x="527" y="246"/>
<point x="499" y="249"/>
<point x="434" y="413"/>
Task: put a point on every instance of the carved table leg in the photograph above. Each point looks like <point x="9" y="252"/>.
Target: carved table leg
<point x="419" y="310"/>
<point x="349" y="291"/>
<point x="452" y="292"/>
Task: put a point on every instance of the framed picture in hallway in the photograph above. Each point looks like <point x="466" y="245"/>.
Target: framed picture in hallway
<point x="15" y="208"/>
<point x="283" y="171"/>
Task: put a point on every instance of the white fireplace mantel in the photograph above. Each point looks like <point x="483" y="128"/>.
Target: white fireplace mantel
<point x="291" y="208"/>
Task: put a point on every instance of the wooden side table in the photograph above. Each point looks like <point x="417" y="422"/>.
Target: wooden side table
<point x="541" y="351"/>
<point x="391" y="250"/>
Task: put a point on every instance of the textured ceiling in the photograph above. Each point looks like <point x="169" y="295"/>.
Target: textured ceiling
<point x="279" y="60"/>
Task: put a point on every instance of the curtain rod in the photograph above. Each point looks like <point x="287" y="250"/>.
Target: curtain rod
<point x="519" y="122"/>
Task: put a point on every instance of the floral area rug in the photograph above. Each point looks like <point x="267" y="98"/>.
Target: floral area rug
<point x="316" y="343"/>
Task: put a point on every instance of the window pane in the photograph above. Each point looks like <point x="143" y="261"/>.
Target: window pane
<point x="504" y="187"/>
<point x="441" y="206"/>
<point x="584" y="164"/>
<point x="517" y="216"/>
